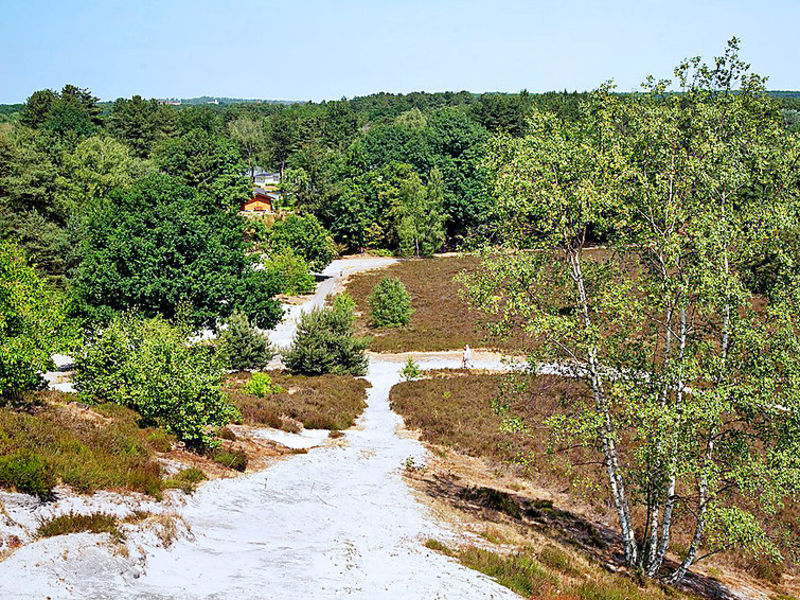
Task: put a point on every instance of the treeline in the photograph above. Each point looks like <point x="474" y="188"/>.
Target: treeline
<point x="362" y="166"/>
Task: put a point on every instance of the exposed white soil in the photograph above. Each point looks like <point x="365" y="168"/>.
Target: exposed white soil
<point x="336" y="522"/>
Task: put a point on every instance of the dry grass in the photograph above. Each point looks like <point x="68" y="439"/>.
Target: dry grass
<point x="63" y="443"/>
<point x="75" y="523"/>
<point x="318" y="402"/>
<point x="454" y="409"/>
<point x="441" y="319"/>
<point x="532" y="574"/>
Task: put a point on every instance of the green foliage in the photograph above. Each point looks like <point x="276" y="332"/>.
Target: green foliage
<point x="32" y="323"/>
<point x="208" y="163"/>
<point x="421" y="227"/>
<point x="185" y="480"/>
<point x="140" y="123"/>
<point x="303" y="235"/>
<point x="411" y="370"/>
<point x="291" y="270"/>
<point x="242" y="347"/>
<point x="53" y="445"/>
<point x="27" y="472"/>
<point x="326" y="342"/>
<point x="684" y="360"/>
<point x="159" y="245"/>
<point x="147" y="365"/>
<point x="390" y="304"/>
<point x="261" y="385"/>
<point x="233" y="459"/>
<point x="73" y="522"/>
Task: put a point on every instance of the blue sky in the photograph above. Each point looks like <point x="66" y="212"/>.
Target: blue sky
<point x="318" y="49"/>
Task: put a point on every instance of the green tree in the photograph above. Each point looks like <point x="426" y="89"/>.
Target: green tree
<point x="207" y="162"/>
<point x="32" y="324"/>
<point x="326" y="342"/>
<point x="291" y="270"/>
<point x="304" y="235"/>
<point x="159" y="244"/>
<point x="139" y="123"/>
<point x="693" y="381"/>
<point x="241" y="346"/>
<point x="249" y="136"/>
<point x="421" y="228"/>
<point x="37" y="107"/>
<point x="390" y="304"/>
<point x="147" y="365"/>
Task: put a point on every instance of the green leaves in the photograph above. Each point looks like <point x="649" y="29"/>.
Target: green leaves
<point x="32" y="323"/>
<point x="147" y="365"/>
<point x="159" y="244"/>
<point x="390" y="304"/>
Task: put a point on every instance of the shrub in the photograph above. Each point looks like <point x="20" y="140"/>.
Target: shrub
<point x="233" y="459"/>
<point x="261" y="385"/>
<point x="326" y="342"/>
<point x="390" y="304"/>
<point x="28" y="473"/>
<point x="291" y="270"/>
<point x="411" y="370"/>
<point x="55" y="444"/>
<point x="31" y="323"/>
<point x="186" y="480"/>
<point x="75" y="523"/>
<point x="148" y="366"/>
<point x="242" y="347"/>
<point x="304" y="235"/>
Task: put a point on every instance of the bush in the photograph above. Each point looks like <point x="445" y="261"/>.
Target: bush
<point x="185" y="480"/>
<point x="304" y="235"/>
<point x="292" y="271"/>
<point x="28" y="473"/>
<point x="233" y="459"/>
<point x="76" y="523"/>
<point x="31" y="323"/>
<point x="241" y="347"/>
<point x="390" y="304"/>
<point x="326" y="342"/>
<point x="410" y="370"/>
<point x="261" y="385"/>
<point x="148" y="366"/>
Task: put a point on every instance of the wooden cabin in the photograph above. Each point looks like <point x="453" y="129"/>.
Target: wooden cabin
<point x="262" y="201"/>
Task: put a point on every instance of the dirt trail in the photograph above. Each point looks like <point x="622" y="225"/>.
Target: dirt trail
<point x="338" y="522"/>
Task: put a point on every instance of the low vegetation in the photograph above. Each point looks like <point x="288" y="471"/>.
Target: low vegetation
<point x="76" y="523"/>
<point x="315" y="402"/>
<point x="548" y="574"/>
<point x="503" y="419"/>
<point x="84" y="449"/>
<point x="441" y="319"/>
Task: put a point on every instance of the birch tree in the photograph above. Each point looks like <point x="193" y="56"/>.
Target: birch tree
<point x="694" y="379"/>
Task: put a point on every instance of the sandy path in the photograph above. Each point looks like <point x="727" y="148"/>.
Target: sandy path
<point x="338" y="522"/>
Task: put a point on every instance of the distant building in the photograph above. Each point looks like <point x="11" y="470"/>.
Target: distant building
<point x="263" y="201"/>
<point x="265" y="180"/>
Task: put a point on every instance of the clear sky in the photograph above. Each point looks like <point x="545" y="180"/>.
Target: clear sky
<point x="318" y="49"/>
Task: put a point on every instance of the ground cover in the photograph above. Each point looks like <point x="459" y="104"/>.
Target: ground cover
<point x="453" y="411"/>
<point x="314" y="402"/>
<point x="57" y="441"/>
<point x="441" y="320"/>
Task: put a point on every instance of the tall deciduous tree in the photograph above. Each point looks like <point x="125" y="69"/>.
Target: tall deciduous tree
<point x="159" y="246"/>
<point x="32" y="323"/>
<point x="694" y="382"/>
